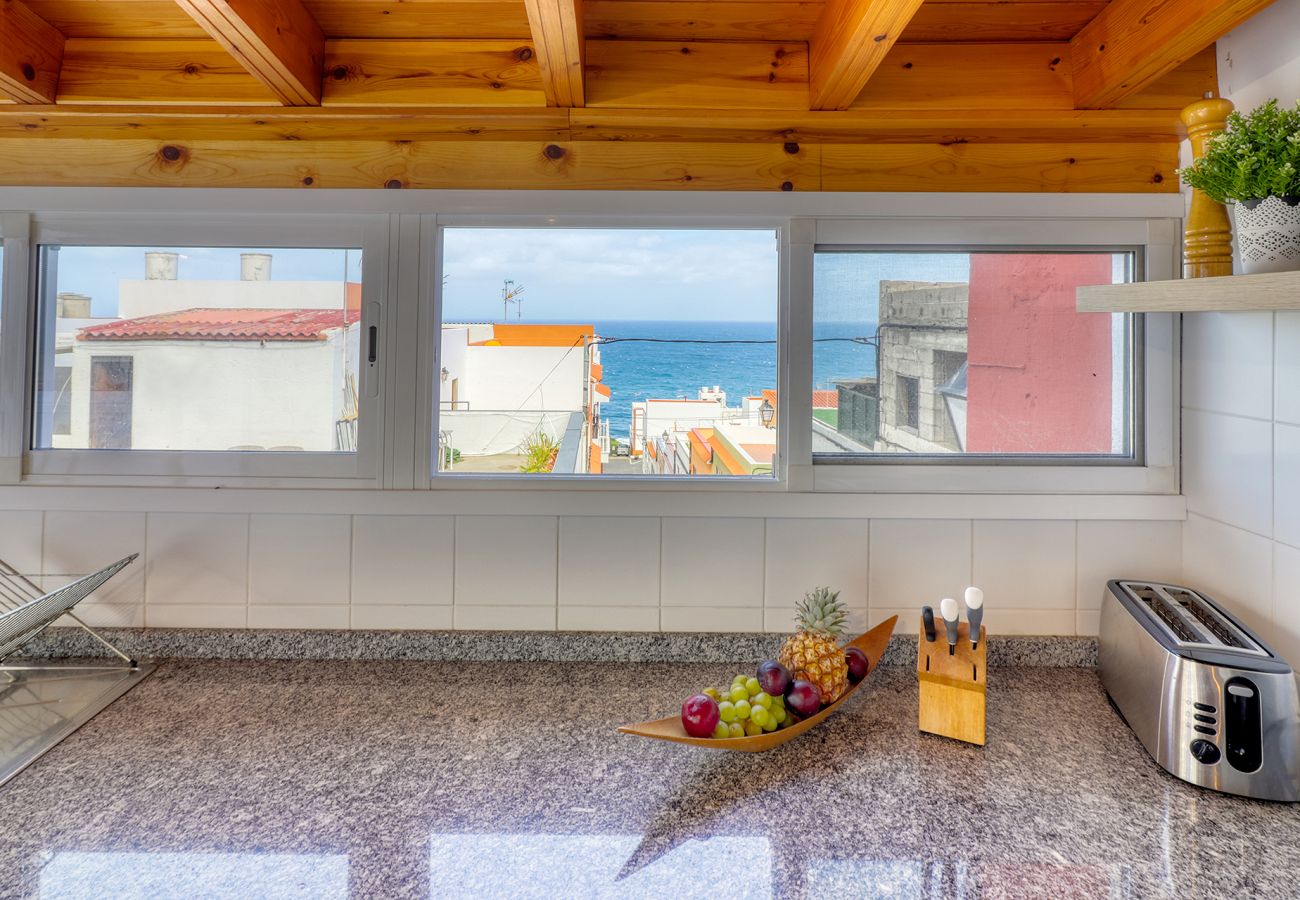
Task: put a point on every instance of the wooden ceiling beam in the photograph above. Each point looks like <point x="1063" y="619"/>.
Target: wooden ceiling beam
<point x="276" y="41"/>
<point x="31" y="54"/>
<point x="1134" y="42"/>
<point x="849" y="42"/>
<point x="559" y="43"/>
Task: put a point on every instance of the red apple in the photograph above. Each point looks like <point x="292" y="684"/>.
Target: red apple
<point x="773" y="678"/>
<point x="858" y="664"/>
<point x="804" y="698"/>
<point x="700" y="715"/>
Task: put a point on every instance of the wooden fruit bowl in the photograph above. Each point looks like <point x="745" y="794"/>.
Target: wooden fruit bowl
<point x="873" y="643"/>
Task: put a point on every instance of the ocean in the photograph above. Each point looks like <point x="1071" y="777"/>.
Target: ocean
<point x="635" y="371"/>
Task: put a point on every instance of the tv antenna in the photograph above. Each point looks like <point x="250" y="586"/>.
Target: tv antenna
<point x="510" y="294"/>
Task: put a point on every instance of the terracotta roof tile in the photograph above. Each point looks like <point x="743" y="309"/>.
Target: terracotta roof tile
<point x="225" y="325"/>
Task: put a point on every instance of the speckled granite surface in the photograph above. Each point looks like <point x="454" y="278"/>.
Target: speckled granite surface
<point x="536" y="646"/>
<point x="415" y="779"/>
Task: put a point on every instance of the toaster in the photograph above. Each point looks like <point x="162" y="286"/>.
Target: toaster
<point x="1210" y="701"/>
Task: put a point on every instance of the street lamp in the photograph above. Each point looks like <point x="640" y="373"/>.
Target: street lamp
<point x="767" y="412"/>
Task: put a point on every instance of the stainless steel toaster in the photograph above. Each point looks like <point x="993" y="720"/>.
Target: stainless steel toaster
<point x="1211" y="702"/>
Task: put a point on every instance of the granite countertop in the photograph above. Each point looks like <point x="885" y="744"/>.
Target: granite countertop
<point x="419" y="779"/>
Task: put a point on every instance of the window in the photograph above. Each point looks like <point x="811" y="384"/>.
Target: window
<point x="607" y="351"/>
<point x="980" y="354"/>
<point x="199" y="349"/>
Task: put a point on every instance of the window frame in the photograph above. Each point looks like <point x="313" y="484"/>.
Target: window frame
<point x="1152" y="467"/>
<point x="15" y="233"/>
<point x="434" y="226"/>
<point x="363" y="468"/>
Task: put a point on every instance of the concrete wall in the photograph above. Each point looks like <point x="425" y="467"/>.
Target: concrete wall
<point x="218" y="395"/>
<point x="513" y="378"/>
<point x="1241" y="400"/>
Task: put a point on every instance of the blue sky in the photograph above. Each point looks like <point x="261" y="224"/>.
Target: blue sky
<point x="588" y="275"/>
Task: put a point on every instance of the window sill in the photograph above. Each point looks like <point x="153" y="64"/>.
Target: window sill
<point x="609" y="502"/>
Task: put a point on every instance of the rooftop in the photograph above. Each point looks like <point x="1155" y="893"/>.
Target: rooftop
<point x="225" y="325"/>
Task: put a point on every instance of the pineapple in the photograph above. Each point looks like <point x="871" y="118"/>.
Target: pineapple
<point x="814" y="654"/>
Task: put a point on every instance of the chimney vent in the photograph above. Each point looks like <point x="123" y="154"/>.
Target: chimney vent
<point x="159" y="266"/>
<point x="254" y="267"/>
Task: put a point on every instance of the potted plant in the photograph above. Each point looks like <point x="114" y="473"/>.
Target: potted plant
<point x="1254" y="165"/>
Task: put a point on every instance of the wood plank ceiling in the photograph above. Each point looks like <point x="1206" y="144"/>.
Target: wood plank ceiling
<point x="834" y="95"/>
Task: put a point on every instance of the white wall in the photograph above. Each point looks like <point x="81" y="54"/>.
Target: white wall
<point x="147" y="298"/>
<point x="1241" y="400"/>
<point x="511" y="378"/>
<point x="217" y="395"/>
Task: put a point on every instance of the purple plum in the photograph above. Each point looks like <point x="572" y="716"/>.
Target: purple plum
<point x="859" y="665"/>
<point x="804" y="698"/>
<point x="773" y="678"/>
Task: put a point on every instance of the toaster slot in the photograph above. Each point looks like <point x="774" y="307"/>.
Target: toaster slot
<point x="1242" y="730"/>
<point x="1213" y="623"/>
<point x="1165" y="612"/>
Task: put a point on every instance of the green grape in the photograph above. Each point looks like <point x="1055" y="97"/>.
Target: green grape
<point x="752" y="729"/>
<point x="779" y="715"/>
<point x="779" y="701"/>
<point x="713" y="692"/>
<point x="737" y="729"/>
<point x="760" y="716"/>
<point x="742" y="709"/>
<point x="738" y="693"/>
<point x="763" y="700"/>
<point x="727" y="711"/>
<point x="770" y="724"/>
<point x="752" y="685"/>
<point x="722" y="731"/>
<point x="740" y="679"/>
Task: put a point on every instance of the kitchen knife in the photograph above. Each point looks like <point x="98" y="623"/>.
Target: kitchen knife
<point x="951" y="612"/>
<point x="927" y="620"/>
<point x="974" y="613"/>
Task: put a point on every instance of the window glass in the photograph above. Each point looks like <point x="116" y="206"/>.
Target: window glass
<point x="608" y="352"/>
<point x="969" y="354"/>
<point x="198" y="349"/>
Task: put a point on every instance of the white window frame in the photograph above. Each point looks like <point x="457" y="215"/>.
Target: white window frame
<point x="401" y="275"/>
<point x="15" y="230"/>
<point x="1153" y="472"/>
<point x="227" y="468"/>
<point x="431" y="304"/>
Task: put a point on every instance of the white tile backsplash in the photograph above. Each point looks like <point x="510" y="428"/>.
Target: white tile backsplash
<point x="1107" y="550"/>
<point x="609" y="618"/>
<point x="1286" y="368"/>
<point x="803" y="554"/>
<point x="918" y="562"/>
<point x="372" y="616"/>
<point x="1228" y="469"/>
<point x="504" y="618"/>
<point x="197" y="559"/>
<point x="194" y="615"/>
<point x="300" y="559"/>
<point x="712" y="618"/>
<point x="1026" y="566"/>
<point x="20" y="540"/>
<point x="1228" y="363"/>
<point x="79" y="543"/>
<point x="1232" y="566"/>
<point x="609" y="561"/>
<point x="1285" y="634"/>
<point x="298" y="615"/>
<point x="712" y="563"/>
<point x="1286" y="484"/>
<point x="506" y="561"/>
<point x="402" y="560"/>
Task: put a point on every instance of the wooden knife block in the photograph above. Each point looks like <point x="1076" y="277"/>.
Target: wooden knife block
<point x="952" y="687"/>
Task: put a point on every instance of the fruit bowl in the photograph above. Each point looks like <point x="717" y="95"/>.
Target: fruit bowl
<point x="873" y="643"/>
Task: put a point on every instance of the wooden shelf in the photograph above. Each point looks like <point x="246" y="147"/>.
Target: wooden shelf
<point x="1279" y="290"/>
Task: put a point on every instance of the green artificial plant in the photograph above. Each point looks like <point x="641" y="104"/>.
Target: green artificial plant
<point x="1257" y="156"/>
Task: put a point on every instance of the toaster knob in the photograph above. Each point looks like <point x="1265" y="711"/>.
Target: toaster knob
<point x="1206" y="753"/>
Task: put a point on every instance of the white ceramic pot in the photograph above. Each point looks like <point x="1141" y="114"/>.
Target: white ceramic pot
<point x="1268" y="235"/>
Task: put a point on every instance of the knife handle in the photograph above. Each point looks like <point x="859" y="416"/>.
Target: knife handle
<point x="927" y="619"/>
<point x="975" y="616"/>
